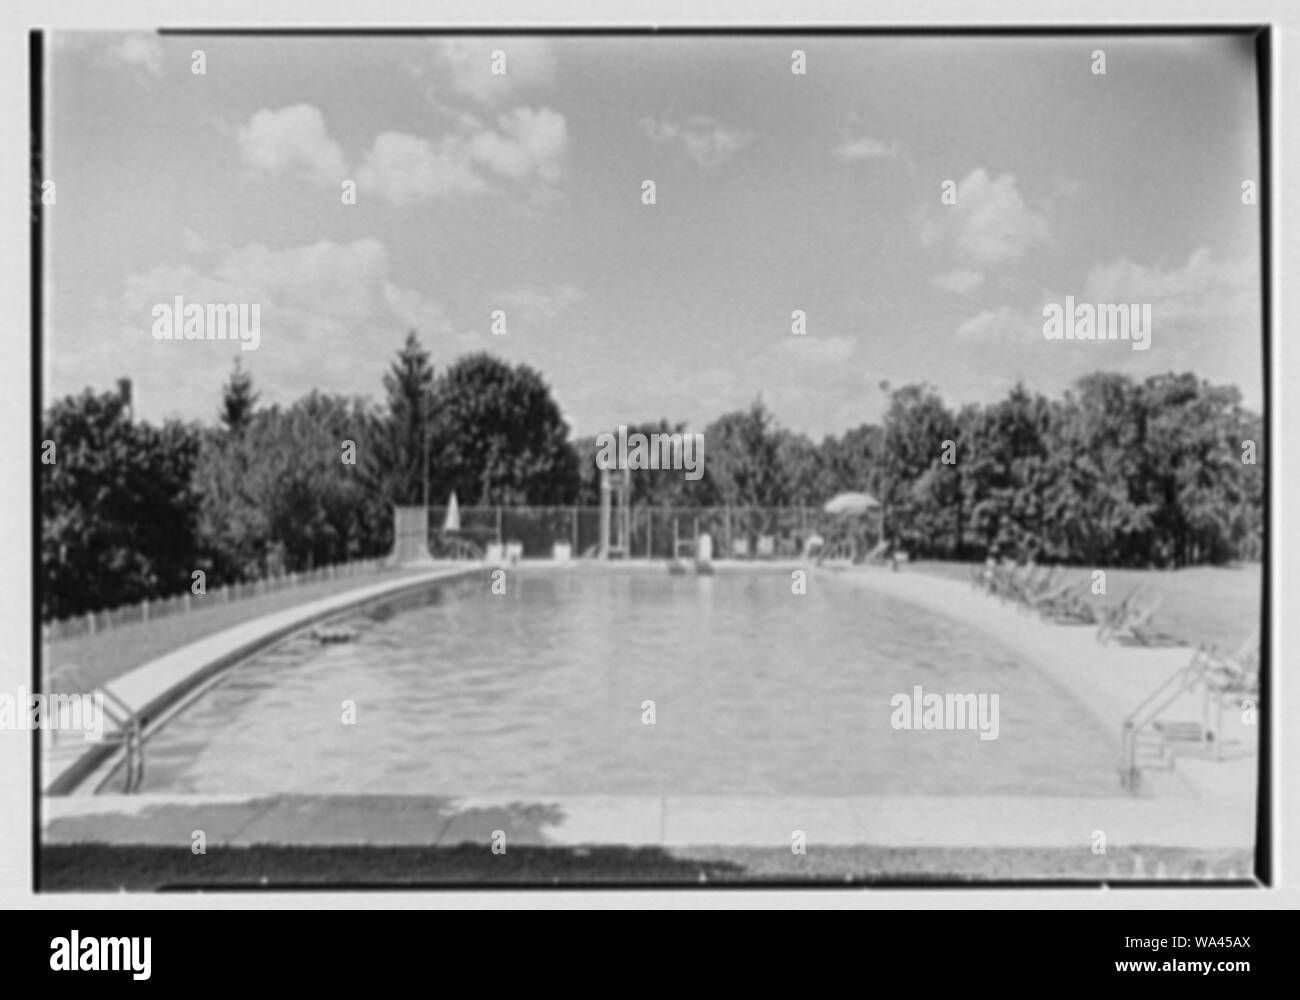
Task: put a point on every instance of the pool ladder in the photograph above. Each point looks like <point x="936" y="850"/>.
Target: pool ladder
<point x="131" y="734"/>
<point x="130" y="731"/>
<point x="1147" y="742"/>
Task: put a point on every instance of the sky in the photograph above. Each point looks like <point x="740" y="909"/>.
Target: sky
<point x="774" y="192"/>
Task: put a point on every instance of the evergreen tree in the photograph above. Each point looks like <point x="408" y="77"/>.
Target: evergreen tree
<point x="401" y="442"/>
<point x="238" y="401"/>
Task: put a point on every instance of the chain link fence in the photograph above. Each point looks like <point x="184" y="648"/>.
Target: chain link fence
<point x="737" y="532"/>
<point x="150" y="610"/>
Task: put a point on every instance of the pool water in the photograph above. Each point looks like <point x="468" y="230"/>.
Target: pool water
<point x="541" y="691"/>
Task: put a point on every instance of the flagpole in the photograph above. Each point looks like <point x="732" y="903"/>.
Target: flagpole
<point x="884" y="463"/>
<point x="424" y="424"/>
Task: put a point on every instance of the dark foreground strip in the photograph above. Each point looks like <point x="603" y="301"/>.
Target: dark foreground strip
<point x="145" y="868"/>
<point x="332" y="952"/>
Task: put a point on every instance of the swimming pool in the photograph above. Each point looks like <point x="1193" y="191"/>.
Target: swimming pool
<point x="542" y="692"/>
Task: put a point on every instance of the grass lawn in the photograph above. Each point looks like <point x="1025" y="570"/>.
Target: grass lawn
<point x="1204" y="604"/>
<point x="147" y="868"/>
<point x="113" y="652"/>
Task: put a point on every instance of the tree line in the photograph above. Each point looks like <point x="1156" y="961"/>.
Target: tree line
<point x="1164" y="472"/>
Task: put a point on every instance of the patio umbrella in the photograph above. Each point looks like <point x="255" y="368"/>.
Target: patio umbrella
<point x="851" y="503"/>
<point x="452" y="523"/>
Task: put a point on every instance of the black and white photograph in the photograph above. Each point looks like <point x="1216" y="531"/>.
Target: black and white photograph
<point x="648" y="458"/>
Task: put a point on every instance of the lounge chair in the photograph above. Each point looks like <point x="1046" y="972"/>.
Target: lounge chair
<point x="1072" y="611"/>
<point x="766" y="547"/>
<point x="740" y="548"/>
<point x="1021" y="585"/>
<point x="1146" y="634"/>
<point x="1136" y="627"/>
<point x="988" y="576"/>
<point x="1004" y="578"/>
<point x="1235" y="674"/>
<point x="996" y="575"/>
<point x="1112" y="615"/>
<point x="1052" y="590"/>
<point x="1134" y="614"/>
<point x="1041" y="586"/>
<point x="1022" y="588"/>
<point x="1230" y="679"/>
<point x="1071" y="604"/>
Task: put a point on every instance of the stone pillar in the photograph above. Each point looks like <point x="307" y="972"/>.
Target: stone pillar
<point x="410" y="537"/>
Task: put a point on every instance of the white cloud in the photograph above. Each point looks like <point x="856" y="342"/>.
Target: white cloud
<point x="959" y="281"/>
<point x="1001" y="325"/>
<point x="866" y="148"/>
<point x="990" y="224"/>
<point x="142" y="52"/>
<point x="293" y="139"/>
<point x="705" y="140"/>
<point x="1200" y="290"/>
<point x="1202" y="295"/>
<point x="318" y="302"/>
<point x="529" y="142"/>
<point x="783" y="373"/>
<point x="323" y="278"/>
<point x="807" y="351"/>
<point x="538" y="308"/>
<point x="404" y="168"/>
<point x="661" y="132"/>
<point x="529" y="66"/>
<point x="527" y="145"/>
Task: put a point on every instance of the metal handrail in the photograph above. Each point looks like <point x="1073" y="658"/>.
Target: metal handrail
<point x="1149" y="709"/>
<point x="129" y="724"/>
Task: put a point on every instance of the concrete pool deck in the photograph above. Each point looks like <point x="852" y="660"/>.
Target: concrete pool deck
<point x="667" y="821"/>
<point x="1110" y="681"/>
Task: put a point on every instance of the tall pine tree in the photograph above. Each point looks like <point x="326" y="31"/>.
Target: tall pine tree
<point x="400" y="441"/>
<point x="238" y="401"/>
